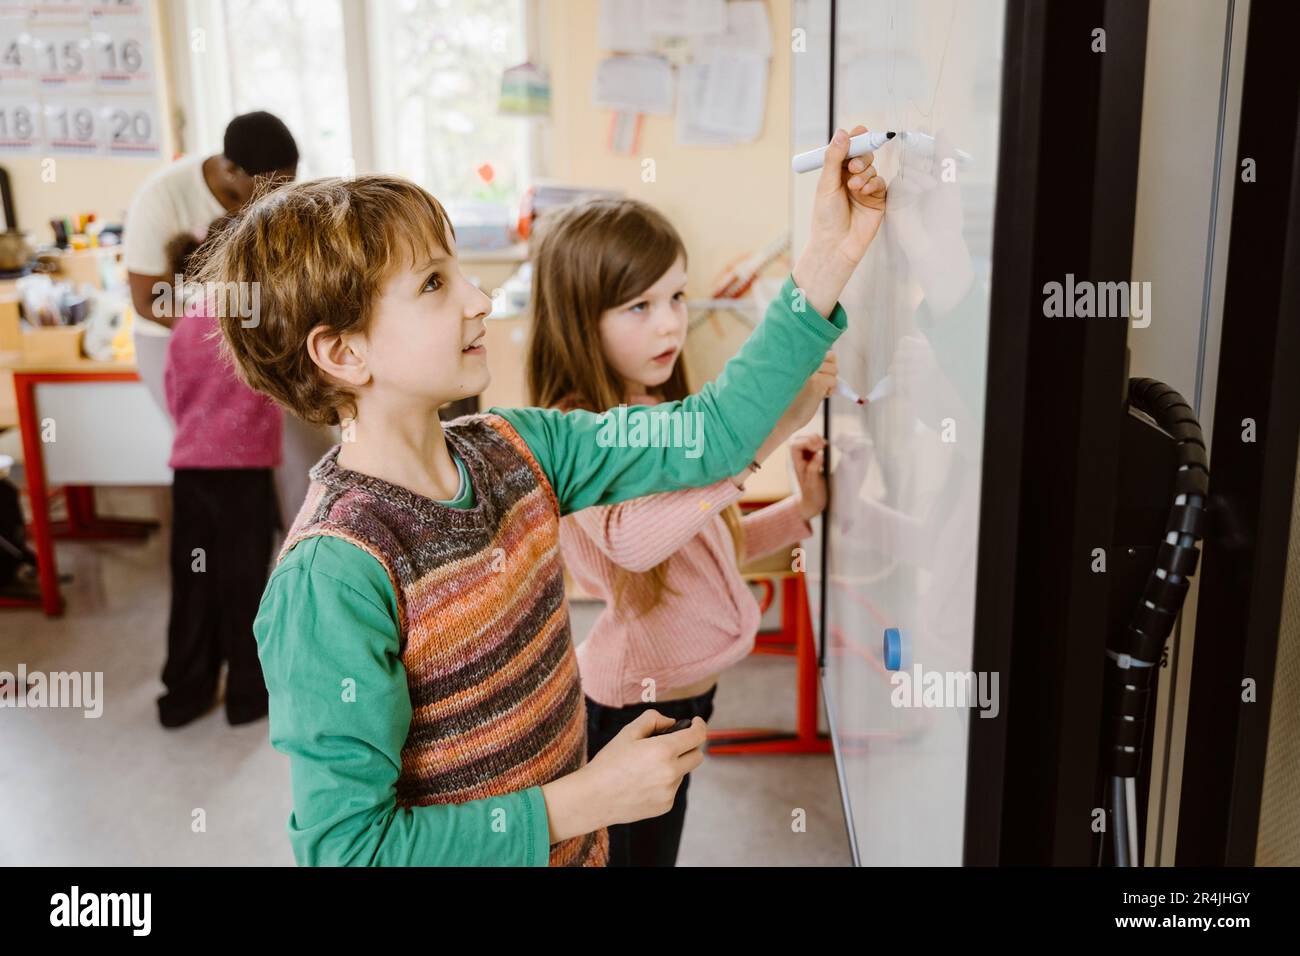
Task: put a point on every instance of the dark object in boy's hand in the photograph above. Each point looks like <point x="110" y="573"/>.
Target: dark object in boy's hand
<point x="680" y="724"/>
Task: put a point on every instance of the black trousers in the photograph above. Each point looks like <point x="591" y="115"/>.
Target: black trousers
<point x="224" y="525"/>
<point x="651" y="842"/>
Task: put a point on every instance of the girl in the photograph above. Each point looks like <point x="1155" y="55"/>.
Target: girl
<point x="224" y="516"/>
<point x="414" y="634"/>
<point x="609" y="323"/>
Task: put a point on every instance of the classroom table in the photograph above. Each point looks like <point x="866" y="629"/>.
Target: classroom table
<point x="83" y="423"/>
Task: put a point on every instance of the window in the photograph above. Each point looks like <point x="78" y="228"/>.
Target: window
<point x="437" y="82"/>
<point x="286" y="56"/>
<point x="400" y="86"/>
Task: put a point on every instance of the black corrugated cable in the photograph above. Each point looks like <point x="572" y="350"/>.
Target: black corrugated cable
<point x="1134" y="661"/>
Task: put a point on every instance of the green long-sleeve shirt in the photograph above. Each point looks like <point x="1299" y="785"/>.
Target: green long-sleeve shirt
<point x="329" y="609"/>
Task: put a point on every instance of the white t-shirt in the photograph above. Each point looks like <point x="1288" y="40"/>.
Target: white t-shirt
<point x="173" y="200"/>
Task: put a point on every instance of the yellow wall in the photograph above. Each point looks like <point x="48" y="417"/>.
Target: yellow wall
<point x="82" y="184"/>
<point x="724" y="201"/>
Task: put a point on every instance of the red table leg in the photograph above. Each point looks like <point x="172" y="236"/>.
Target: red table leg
<point x="84" y="525"/>
<point x="38" y="495"/>
<point x="796" y="595"/>
<point x="796" y="628"/>
<point x="82" y="522"/>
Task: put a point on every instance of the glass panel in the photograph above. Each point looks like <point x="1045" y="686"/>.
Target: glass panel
<point x="903" y="529"/>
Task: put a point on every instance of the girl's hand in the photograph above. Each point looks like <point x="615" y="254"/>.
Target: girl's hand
<point x="633" y="777"/>
<point x="819" y="386"/>
<point x="808" y="453"/>
<point x="847" y="212"/>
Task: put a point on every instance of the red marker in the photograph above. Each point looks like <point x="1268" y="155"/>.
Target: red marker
<point x="842" y="387"/>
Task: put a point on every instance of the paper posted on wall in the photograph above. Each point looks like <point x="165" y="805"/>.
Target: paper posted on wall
<point x="747" y="31"/>
<point x="635" y="84"/>
<point x="621" y="27"/>
<point x="686" y="17"/>
<point x="722" y="100"/>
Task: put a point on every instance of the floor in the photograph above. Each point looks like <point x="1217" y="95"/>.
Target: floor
<point x="121" y="790"/>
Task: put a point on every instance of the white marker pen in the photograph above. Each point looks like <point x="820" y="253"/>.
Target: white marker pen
<point x="884" y="387"/>
<point x="858" y="145"/>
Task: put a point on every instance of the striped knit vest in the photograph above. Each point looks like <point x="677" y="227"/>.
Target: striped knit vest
<point x="490" y="666"/>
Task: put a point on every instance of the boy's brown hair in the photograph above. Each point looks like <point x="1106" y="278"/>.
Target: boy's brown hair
<point x="591" y="257"/>
<point x="320" y="253"/>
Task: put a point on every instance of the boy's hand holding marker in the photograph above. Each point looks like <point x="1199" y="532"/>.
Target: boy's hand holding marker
<point x="847" y="213"/>
<point x="633" y="777"/>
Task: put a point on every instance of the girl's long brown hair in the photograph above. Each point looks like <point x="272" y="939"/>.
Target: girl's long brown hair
<point x="591" y="257"/>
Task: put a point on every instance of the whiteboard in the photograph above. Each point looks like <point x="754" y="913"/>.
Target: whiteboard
<point x="902" y="531"/>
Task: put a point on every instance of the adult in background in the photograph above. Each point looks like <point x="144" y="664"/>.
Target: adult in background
<point x="189" y="194"/>
<point x="186" y="197"/>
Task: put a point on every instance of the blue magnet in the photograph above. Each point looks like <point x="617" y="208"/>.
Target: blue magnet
<point x="898" y="649"/>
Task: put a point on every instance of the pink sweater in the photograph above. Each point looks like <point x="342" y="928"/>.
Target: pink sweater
<point x="701" y="630"/>
<point x="220" y="422"/>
